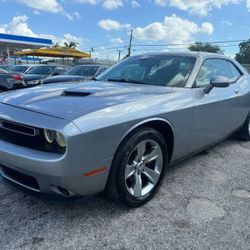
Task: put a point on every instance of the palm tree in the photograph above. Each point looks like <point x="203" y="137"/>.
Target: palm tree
<point x="56" y="45"/>
<point x="71" y="44"/>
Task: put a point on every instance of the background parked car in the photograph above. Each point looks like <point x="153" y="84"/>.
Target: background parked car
<point x="6" y="67"/>
<point x="34" y="76"/>
<point x="77" y="73"/>
<point x="9" y="81"/>
<point x="24" y="68"/>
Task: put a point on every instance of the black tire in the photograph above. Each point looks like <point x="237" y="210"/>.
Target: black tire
<point x="116" y="188"/>
<point x="244" y="132"/>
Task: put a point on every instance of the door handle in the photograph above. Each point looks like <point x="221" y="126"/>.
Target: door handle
<point x="236" y="91"/>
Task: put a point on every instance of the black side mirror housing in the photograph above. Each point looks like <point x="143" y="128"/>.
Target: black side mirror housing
<point x="55" y="74"/>
<point x="217" y="82"/>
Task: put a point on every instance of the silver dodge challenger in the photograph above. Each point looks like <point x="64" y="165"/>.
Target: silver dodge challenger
<point x="121" y="132"/>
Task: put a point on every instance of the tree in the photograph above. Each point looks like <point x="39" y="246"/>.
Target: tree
<point x="243" y="56"/>
<point x="205" y="47"/>
<point x="71" y="44"/>
<point x="56" y="45"/>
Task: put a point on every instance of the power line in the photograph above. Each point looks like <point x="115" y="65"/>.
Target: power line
<point x="159" y="47"/>
<point x="183" y="44"/>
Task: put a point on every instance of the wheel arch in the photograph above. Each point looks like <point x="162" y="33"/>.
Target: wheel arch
<point x="162" y="126"/>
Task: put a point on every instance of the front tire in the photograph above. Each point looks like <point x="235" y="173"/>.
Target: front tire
<point x="244" y="132"/>
<point x="138" y="168"/>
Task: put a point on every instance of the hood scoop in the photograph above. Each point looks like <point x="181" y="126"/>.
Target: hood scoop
<point x="75" y="93"/>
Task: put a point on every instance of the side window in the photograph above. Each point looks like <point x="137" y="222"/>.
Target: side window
<point x="234" y="71"/>
<point x="210" y="69"/>
<point x="100" y="70"/>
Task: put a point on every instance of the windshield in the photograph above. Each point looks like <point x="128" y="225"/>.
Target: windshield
<point x="161" y="70"/>
<point x="81" y="70"/>
<point x="20" y="69"/>
<point x="40" y="70"/>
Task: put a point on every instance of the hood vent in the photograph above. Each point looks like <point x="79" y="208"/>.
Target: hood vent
<point x="75" y="93"/>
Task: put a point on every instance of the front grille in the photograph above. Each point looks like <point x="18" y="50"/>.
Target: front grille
<point x="27" y="136"/>
<point x="18" y="128"/>
<point x="21" y="178"/>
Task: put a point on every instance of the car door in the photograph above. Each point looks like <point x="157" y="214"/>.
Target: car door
<point x="220" y="112"/>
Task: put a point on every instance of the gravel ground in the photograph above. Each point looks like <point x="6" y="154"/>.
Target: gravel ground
<point x="204" y="203"/>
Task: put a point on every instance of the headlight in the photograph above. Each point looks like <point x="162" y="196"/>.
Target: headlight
<point x="49" y="135"/>
<point x="52" y="136"/>
<point x="60" y="140"/>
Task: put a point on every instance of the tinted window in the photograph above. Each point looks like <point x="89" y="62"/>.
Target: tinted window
<point x="21" y="69"/>
<point x="81" y="70"/>
<point x="40" y="70"/>
<point x="210" y="69"/>
<point x="59" y="70"/>
<point x="161" y="70"/>
<point x="101" y="70"/>
<point x="234" y="71"/>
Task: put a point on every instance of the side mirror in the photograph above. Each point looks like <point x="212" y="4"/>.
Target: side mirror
<point x="217" y="82"/>
<point x="55" y="74"/>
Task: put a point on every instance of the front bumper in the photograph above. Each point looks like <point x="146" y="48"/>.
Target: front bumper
<point x="52" y="172"/>
<point x="46" y="173"/>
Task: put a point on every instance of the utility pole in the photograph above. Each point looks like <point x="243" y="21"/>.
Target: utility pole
<point x="90" y="52"/>
<point x="130" y="44"/>
<point x="119" y="54"/>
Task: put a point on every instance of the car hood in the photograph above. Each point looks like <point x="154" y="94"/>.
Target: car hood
<point x="71" y="101"/>
<point x="63" y="78"/>
<point x="31" y="77"/>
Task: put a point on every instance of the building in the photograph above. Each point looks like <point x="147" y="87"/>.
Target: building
<point x="11" y="43"/>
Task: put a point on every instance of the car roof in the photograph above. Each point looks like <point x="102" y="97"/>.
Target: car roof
<point x="188" y="53"/>
<point x="91" y="65"/>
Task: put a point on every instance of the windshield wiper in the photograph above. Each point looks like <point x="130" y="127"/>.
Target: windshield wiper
<point x="125" y="80"/>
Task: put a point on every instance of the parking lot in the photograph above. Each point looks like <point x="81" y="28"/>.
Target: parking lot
<point x="204" y="204"/>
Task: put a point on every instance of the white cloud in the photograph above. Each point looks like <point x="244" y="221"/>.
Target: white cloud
<point x="226" y="23"/>
<point x="19" y="26"/>
<point x="207" y="28"/>
<point x="72" y="16"/>
<point x="201" y="7"/>
<point x="44" y="5"/>
<point x="117" y="40"/>
<point x="108" y="4"/>
<point x="173" y="29"/>
<point x="248" y="5"/>
<point x="109" y="25"/>
<point x="161" y="2"/>
<point x="92" y="2"/>
<point x="112" y="4"/>
<point x="135" y="4"/>
<point x="52" y="6"/>
<point x="36" y="12"/>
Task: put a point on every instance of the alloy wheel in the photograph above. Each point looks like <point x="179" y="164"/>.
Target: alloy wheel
<point x="143" y="168"/>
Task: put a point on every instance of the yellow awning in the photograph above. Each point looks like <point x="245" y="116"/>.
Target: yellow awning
<point x="54" y="52"/>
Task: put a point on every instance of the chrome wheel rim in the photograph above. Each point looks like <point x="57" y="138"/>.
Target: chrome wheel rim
<point x="143" y="168"/>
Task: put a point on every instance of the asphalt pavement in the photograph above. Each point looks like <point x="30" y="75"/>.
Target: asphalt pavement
<point x="204" y="203"/>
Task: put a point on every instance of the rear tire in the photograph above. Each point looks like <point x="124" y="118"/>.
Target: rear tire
<point x="138" y="168"/>
<point x="244" y="132"/>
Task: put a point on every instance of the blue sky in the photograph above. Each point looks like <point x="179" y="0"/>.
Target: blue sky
<point x="105" y="24"/>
